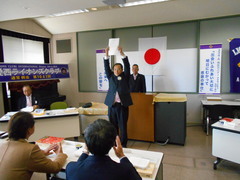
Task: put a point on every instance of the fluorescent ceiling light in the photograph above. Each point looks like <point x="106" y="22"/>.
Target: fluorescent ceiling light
<point x="70" y="12"/>
<point x="93" y="9"/>
<point x="136" y="3"/>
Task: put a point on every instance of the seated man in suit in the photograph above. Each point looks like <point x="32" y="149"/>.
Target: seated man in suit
<point x="137" y="81"/>
<point x="100" y="137"/>
<point x="28" y="99"/>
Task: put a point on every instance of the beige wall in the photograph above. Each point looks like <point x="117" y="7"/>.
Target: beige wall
<point x="24" y="26"/>
<point x="27" y="26"/>
<point x="69" y="87"/>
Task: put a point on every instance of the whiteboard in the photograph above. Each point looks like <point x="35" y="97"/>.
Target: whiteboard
<point x="179" y="71"/>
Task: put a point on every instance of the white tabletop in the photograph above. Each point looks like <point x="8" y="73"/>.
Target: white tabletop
<point x="233" y="126"/>
<point x="224" y="102"/>
<point x="69" y="147"/>
<point x="47" y="114"/>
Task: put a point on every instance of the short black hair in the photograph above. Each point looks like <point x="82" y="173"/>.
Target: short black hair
<point x="100" y="137"/>
<point x="116" y="64"/>
<point x="27" y="85"/>
<point x="19" y="124"/>
<point x="135" y="65"/>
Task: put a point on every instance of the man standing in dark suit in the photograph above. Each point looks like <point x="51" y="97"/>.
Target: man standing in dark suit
<point x="137" y="81"/>
<point x="28" y="99"/>
<point x="118" y="97"/>
<point x="100" y="137"/>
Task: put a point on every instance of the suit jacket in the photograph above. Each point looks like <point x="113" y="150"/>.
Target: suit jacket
<point x="118" y="85"/>
<point x="22" y="102"/>
<point x="19" y="159"/>
<point x="137" y="85"/>
<point x="101" y="168"/>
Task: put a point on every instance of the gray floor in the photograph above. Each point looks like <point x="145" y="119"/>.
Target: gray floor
<point x="193" y="161"/>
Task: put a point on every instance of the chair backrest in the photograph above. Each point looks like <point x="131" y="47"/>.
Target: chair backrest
<point x="58" y="105"/>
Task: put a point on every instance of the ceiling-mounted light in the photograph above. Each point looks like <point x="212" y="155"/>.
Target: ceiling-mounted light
<point x="114" y="2"/>
<point x="137" y="3"/>
<point x="94" y="9"/>
<point x="70" y="12"/>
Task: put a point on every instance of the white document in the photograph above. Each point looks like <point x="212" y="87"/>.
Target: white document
<point x="27" y="109"/>
<point x="139" y="162"/>
<point x="113" y="46"/>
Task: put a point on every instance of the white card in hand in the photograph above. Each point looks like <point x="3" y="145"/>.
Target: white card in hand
<point x="113" y="46"/>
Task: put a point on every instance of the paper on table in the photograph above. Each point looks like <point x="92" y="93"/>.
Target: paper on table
<point x="11" y="113"/>
<point x="78" y="152"/>
<point x="27" y="109"/>
<point x="113" y="44"/>
<point x="139" y="162"/>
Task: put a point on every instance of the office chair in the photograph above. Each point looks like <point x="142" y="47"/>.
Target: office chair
<point x="58" y="105"/>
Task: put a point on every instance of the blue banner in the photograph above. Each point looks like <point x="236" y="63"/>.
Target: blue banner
<point x="234" y="52"/>
<point x="30" y="72"/>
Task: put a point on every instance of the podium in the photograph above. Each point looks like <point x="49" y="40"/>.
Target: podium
<point x="141" y="117"/>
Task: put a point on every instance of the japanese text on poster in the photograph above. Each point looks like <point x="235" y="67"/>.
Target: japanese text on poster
<point x="210" y="68"/>
<point x="25" y="72"/>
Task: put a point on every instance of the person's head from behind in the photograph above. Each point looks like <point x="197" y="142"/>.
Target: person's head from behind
<point x="100" y="137"/>
<point x="27" y="90"/>
<point x="135" y="69"/>
<point x="21" y="126"/>
<point x="117" y="69"/>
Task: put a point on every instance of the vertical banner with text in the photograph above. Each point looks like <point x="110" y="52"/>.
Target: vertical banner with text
<point x="210" y="69"/>
<point x="234" y="57"/>
<point x="102" y="81"/>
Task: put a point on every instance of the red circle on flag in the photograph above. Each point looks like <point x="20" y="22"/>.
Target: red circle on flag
<point x="152" y="56"/>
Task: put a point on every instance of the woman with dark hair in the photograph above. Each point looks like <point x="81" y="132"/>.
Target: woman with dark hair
<point x="19" y="159"/>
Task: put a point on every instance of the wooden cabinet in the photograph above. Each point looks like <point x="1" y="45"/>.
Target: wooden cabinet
<point x="141" y="117"/>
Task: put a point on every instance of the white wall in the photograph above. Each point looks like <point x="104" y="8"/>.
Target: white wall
<point x="69" y="87"/>
<point x="23" y="26"/>
<point x="27" y="26"/>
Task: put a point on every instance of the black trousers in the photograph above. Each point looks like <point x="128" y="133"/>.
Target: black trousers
<point x="118" y="116"/>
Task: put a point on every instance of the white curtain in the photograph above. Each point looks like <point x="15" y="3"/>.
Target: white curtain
<point x="18" y="50"/>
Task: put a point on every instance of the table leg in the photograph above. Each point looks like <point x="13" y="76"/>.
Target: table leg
<point x="48" y="176"/>
<point x="207" y="119"/>
<point x="216" y="163"/>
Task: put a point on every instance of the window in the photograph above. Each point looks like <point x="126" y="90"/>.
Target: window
<point x="21" y="48"/>
<point x="18" y="50"/>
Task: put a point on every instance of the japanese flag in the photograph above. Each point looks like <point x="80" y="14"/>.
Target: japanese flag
<point x="152" y="55"/>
